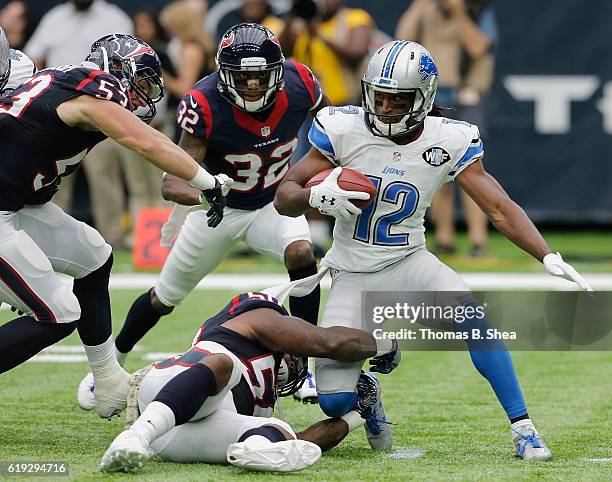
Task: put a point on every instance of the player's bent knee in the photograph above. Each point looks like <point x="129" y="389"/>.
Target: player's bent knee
<point x="66" y="306"/>
<point x="298" y="254"/>
<point x="59" y="331"/>
<point x="271" y="432"/>
<point x="157" y="304"/>
<point x="337" y="404"/>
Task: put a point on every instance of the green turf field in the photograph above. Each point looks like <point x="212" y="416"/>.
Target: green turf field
<point x="439" y="403"/>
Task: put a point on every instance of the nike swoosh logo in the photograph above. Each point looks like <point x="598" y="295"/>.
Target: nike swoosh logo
<point x="194" y="104"/>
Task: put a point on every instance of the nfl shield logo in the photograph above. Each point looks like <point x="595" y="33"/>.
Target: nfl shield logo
<point x="265" y="131"/>
<point x="397" y="156"/>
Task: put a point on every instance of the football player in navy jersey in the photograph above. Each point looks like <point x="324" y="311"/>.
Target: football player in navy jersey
<point x="48" y="124"/>
<point x="214" y="403"/>
<point x="241" y="121"/>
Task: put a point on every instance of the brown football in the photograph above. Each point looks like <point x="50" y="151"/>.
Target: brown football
<point x="349" y="180"/>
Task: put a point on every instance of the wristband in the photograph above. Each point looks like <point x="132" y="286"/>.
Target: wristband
<point x="383" y="346"/>
<point x="353" y="420"/>
<point x="203" y="179"/>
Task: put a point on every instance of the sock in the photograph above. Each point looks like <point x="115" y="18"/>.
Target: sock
<point x="140" y="319"/>
<point x="187" y="391"/>
<point x="518" y="419"/>
<point x="156" y="420"/>
<point x="492" y="360"/>
<point x="305" y="307"/>
<point x="320" y="232"/>
<point x="121" y="357"/>
<point x="24" y="337"/>
<point x="95" y="325"/>
<point x="273" y="434"/>
<point x="102" y="359"/>
<point x="515" y="425"/>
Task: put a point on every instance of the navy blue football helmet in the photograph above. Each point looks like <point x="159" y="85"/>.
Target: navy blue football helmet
<point x="250" y="52"/>
<point x="136" y="65"/>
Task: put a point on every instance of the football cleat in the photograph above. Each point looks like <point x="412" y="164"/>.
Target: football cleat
<point x="128" y="453"/>
<point x="378" y="429"/>
<point x="111" y="394"/>
<point x="307" y="393"/>
<point x="85" y="393"/>
<point x="260" y="454"/>
<point x="529" y="445"/>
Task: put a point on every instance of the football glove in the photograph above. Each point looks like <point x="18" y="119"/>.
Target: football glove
<point x="388" y="362"/>
<point x="331" y="199"/>
<point x="216" y="198"/>
<point x="555" y="265"/>
<point x="45" y="193"/>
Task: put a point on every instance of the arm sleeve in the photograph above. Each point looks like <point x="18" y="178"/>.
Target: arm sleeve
<point x="194" y="114"/>
<point x="320" y="138"/>
<point x="474" y="151"/>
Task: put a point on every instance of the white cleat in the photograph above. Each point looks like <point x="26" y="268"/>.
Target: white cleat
<point x="258" y="453"/>
<point x="85" y="393"/>
<point x="307" y="393"/>
<point x="127" y="453"/>
<point x="529" y="445"/>
<point x="111" y="394"/>
<point x="377" y="428"/>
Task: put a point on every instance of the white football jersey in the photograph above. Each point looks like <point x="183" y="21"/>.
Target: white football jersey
<point x="22" y="68"/>
<point x="406" y="178"/>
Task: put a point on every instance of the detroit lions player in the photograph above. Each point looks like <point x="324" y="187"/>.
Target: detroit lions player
<point x="48" y="124"/>
<point x="15" y="66"/>
<point x="215" y="402"/>
<point x="242" y="121"/>
<point x="400" y="140"/>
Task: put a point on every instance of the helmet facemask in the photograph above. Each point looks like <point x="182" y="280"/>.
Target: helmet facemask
<point x="234" y="83"/>
<point x="292" y="373"/>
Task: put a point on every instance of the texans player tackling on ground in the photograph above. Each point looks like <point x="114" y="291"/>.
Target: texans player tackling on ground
<point x="15" y="66"/>
<point x="48" y="125"/>
<point x="214" y="403"/>
<point x="242" y="121"/>
<point x="408" y="150"/>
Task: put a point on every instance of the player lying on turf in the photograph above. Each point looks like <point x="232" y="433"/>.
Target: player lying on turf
<point x="400" y="140"/>
<point x="242" y="121"/>
<point x="47" y="125"/>
<point x="214" y="403"/>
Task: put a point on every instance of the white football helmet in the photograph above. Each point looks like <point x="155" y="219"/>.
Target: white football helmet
<point x="399" y="67"/>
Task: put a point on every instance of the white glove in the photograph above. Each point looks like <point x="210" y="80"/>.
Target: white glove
<point x="555" y="265"/>
<point x="334" y="201"/>
<point x="226" y="183"/>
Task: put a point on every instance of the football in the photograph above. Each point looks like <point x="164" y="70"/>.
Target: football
<point x="349" y="180"/>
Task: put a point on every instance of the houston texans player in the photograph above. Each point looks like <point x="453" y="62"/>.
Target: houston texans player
<point x="15" y="66"/>
<point x="49" y="123"/>
<point x="400" y="140"/>
<point x="241" y="121"/>
<point x="215" y="402"/>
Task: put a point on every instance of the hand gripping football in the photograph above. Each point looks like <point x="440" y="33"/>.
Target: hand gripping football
<point x="349" y="180"/>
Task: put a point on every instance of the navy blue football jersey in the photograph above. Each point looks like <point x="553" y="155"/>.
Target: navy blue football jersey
<point x="255" y="396"/>
<point x="252" y="148"/>
<point x="38" y="148"/>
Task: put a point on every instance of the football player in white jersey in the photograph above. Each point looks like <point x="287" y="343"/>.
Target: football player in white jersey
<point x="15" y="66"/>
<point x="402" y="142"/>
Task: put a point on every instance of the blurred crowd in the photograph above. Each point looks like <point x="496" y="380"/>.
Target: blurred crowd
<point x="329" y="36"/>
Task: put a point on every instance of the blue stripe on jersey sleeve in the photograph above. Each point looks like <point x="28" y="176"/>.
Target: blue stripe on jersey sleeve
<point x="319" y="139"/>
<point x="472" y="151"/>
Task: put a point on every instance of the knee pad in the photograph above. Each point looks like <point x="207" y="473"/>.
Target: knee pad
<point x="66" y="305"/>
<point x="337" y="404"/>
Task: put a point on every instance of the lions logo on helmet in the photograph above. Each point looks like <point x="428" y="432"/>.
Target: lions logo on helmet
<point x="404" y="68"/>
<point x="136" y="65"/>
<point x="250" y="63"/>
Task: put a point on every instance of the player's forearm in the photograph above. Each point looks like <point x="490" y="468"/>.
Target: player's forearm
<point x="179" y="191"/>
<point x="343" y="344"/>
<point x="291" y="199"/>
<point x="513" y="222"/>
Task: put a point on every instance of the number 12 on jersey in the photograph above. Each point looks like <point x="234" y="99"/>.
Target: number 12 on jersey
<point x="375" y="227"/>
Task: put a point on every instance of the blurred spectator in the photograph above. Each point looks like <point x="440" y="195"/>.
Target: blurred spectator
<point x="250" y="11"/>
<point x="190" y="49"/>
<point x="17" y="22"/>
<point x="333" y="41"/>
<point x="66" y="32"/>
<point x="460" y="35"/>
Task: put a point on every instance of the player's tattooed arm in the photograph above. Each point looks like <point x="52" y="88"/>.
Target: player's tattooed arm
<point x="288" y="334"/>
<point x="176" y="189"/>
<point x="292" y="198"/>
<point x="507" y="216"/>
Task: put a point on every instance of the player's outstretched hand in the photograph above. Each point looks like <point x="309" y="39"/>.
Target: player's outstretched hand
<point x="554" y="264"/>
<point x="388" y="362"/>
<point x="216" y="199"/>
<point x="331" y="199"/>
